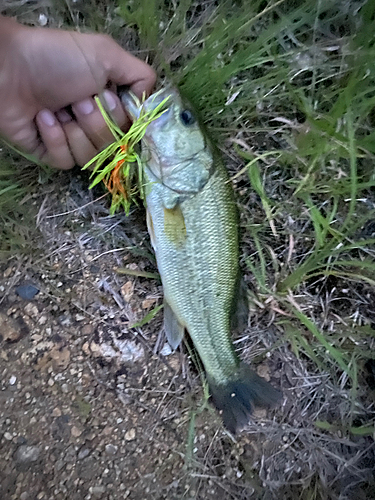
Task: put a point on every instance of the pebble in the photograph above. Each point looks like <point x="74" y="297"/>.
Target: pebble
<point x="27" y="454"/>
<point x="27" y="291"/>
<point x="56" y="412"/>
<point x="167" y="350"/>
<point x="75" y="431"/>
<point x="87" y="330"/>
<point x="42" y="320"/>
<point x="10" y="330"/>
<point x="8" y="436"/>
<point x="31" y="310"/>
<point x="97" y="491"/>
<point x="12" y="380"/>
<point x="85" y="452"/>
<point x="111" y="449"/>
<point x="130" y="434"/>
<point x="65" y="320"/>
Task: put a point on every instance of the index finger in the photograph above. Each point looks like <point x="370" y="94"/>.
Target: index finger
<point x="125" y="69"/>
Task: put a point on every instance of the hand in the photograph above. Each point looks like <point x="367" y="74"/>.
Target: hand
<point x="47" y="82"/>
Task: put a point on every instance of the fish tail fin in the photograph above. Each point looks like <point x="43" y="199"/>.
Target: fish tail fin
<point x="236" y="399"/>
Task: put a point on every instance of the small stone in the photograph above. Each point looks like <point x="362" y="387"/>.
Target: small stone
<point x="8" y="436"/>
<point x="60" y="357"/>
<point x="86" y="348"/>
<point x="130" y="434"/>
<point x="31" y="310"/>
<point x="107" y="431"/>
<point x="65" y="388"/>
<point x="80" y="317"/>
<point x="167" y="350"/>
<point x="59" y="465"/>
<point x="87" y="330"/>
<point x="12" y="380"/>
<point x="111" y="449"/>
<point x="9" y="329"/>
<point x="56" y="412"/>
<point x="8" y="272"/>
<point x="85" y="452"/>
<point x="75" y="432"/>
<point x="97" y="491"/>
<point x="65" y="320"/>
<point x="27" y="454"/>
<point x="95" y="349"/>
<point x="42" y="320"/>
<point x="24" y="495"/>
<point x="27" y="291"/>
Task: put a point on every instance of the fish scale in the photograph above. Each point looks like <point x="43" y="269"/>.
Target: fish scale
<point x="199" y="279"/>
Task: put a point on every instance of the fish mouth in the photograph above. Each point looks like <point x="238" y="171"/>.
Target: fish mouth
<point x="134" y="107"/>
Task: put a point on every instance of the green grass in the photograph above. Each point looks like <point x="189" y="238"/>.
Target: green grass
<point x="16" y="210"/>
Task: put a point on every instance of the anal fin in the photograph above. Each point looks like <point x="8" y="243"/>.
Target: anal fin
<point x="174" y="331"/>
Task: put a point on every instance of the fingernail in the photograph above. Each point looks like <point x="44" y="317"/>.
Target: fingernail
<point x="47" y="117"/>
<point x="109" y="100"/>
<point x="63" y="116"/>
<point x="85" y="107"/>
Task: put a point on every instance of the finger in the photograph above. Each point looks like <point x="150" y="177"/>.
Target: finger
<point x="125" y="69"/>
<point x="57" y="153"/>
<point x="113" y="106"/>
<point x="91" y="121"/>
<point x="80" y="145"/>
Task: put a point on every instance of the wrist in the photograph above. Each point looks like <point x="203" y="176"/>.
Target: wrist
<point x="10" y="34"/>
<point x="9" y="28"/>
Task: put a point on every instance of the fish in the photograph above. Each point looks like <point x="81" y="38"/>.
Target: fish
<point x="193" y="222"/>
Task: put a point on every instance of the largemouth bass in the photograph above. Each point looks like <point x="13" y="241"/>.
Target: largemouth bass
<point x="193" y="224"/>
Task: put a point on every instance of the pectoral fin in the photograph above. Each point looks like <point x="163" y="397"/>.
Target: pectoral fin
<point x="174" y="331"/>
<point x="174" y="226"/>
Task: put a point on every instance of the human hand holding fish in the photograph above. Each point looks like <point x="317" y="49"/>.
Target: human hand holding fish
<point x="47" y="80"/>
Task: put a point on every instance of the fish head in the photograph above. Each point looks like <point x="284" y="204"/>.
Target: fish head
<point x="174" y="147"/>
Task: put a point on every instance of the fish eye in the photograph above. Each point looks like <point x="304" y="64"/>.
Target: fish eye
<point x="187" y="117"/>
